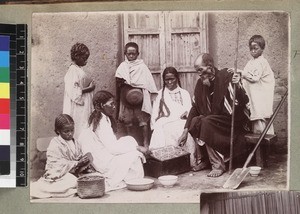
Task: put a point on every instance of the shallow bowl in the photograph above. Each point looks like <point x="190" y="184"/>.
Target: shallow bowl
<point x="254" y="170"/>
<point x="168" y="180"/>
<point x="140" y="184"/>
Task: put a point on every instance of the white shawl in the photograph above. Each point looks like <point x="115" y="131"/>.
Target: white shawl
<point x="137" y="74"/>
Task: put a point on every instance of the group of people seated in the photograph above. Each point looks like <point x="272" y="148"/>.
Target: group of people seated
<point x="86" y="139"/>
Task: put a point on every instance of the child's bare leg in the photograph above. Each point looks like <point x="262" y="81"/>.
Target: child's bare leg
<point x="145" y="136"/>
<point x="143" y="120"/>
<point x="146" y="140"/>
<point x="197" y="153"/>
<point x="129" y="129"/>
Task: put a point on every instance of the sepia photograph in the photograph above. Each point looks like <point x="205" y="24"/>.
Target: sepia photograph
<point x="158" y="106"/>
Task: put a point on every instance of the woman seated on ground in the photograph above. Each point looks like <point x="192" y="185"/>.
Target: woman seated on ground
<point x="170" y="110"/>
<point x="65" y="162"/>
<point x="117" y="160"/>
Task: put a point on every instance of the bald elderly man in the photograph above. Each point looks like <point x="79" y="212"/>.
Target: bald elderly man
<point x="209" y="120"/>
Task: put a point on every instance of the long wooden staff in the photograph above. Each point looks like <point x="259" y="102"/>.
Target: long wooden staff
<point x="233" y="100"/>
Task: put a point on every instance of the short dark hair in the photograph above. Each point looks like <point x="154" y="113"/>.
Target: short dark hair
<point x="62" y="120"/>
<point x="79" y="50"/>
<point x="259" y="40"/>
<point x="131" y="44"/>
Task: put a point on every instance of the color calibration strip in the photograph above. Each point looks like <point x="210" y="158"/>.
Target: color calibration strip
<point x="4" y="105"/>
<point x="21" y="101"/>
<point x="18" y="99"/>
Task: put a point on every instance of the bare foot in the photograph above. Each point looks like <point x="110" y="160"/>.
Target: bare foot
<point x="215" y="173"/>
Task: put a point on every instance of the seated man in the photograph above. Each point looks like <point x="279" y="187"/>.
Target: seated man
<point x="209" y="121"/>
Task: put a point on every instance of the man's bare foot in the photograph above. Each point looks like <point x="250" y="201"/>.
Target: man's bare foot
<point x="215" y="173"/>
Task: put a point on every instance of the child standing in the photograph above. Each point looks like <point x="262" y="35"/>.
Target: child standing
<point x="79" y="88"/>
<point x="259" y="83"/>
<point x="134" y="74"/>
<point x="64" y="163"/>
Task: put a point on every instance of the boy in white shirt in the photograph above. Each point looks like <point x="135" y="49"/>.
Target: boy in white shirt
<point x="259" y="83"/>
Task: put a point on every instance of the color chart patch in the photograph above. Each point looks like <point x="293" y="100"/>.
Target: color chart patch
<point x="4" y="105"/>
<point x="13" y="102"/>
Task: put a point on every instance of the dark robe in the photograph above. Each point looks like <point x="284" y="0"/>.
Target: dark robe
<point x="213" y="126"/>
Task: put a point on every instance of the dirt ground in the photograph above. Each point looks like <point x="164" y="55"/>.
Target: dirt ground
<point x="191" y="184"/>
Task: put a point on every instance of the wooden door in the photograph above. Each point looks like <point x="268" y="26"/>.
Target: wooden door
<point x="168" y="39"/>
<point x="186" y="38"/>
<point x="147" y="30"/>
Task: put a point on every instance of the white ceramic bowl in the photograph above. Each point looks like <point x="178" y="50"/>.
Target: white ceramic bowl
<point x="168" y="180"/>
<point x="254" y="170"/>
<point x="140" y="184"/>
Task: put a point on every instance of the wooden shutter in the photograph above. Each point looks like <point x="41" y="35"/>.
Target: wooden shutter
<point x="168" y="39"/>
<point x="186" y="38"/>
<point x="147" y="30"/>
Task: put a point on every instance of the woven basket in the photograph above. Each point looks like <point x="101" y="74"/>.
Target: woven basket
<point x="90" y="186"/>
<point x="168" y="153"/>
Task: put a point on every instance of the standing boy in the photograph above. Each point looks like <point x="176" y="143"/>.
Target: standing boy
<point x="135" y="83"/>
<point x="259" y="83"/>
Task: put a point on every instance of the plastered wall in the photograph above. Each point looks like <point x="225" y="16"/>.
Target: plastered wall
<point x="226" y="27"/>
<point x="52" y="38"/>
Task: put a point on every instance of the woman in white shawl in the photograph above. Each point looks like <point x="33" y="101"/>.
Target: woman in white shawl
<point x="170" y="110"/>
<point x="118" y="160"/>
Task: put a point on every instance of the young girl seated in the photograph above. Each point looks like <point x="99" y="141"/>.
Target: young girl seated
<point x="117" y="160"/>
<point x="64" y="163"/>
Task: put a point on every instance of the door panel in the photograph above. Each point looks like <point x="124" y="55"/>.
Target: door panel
<point x="168" y="39"/>
<point x="187" y="39"/>
<point x="149" y="50"/>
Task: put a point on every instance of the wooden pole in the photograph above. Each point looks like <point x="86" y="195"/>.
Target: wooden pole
<point x="233" y="100"/>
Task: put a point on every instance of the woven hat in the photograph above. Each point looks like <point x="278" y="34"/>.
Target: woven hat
<point x="131" y="96"/>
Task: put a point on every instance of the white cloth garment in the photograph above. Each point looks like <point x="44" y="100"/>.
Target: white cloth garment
<point x="167" y="130"/>
<point x="62" y="156"/>
<point x="117" y="160"/>
<point x="76" y="104"/>
<point x="259" y="83"/>
<point x="137" y="74"/>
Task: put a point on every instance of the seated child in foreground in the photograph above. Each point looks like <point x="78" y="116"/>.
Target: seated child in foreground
<point x="133" y="73"/>
<point x="65" y="162"/>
